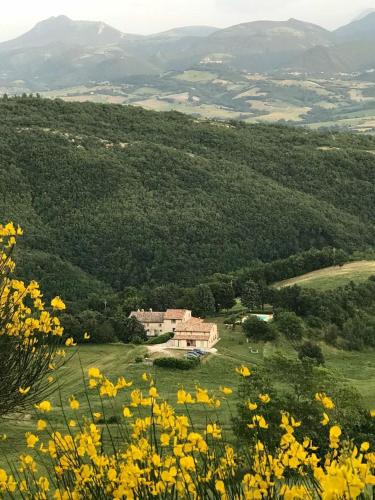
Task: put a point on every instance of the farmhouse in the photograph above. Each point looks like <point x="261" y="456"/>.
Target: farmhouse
<point x="195" y="333"/>
<point x="188" y="331"/>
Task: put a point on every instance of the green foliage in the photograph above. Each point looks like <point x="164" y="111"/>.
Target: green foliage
<point x="177" y="363"/>
<point x="346" y="312"/>
<point x="100" y="328"/>
<point x="160" y="339"/>
<point x="223" y="293"/>
<point x="289" y="324"/>
<point x="203" y="301"/>
<point x="251" y="295"/>
<point x="130" y="330"/>
<point x="294" y="390"/>
<point x="258" y="330"/>
<point x="119" y="197"/>
<point x="310" y="352"/>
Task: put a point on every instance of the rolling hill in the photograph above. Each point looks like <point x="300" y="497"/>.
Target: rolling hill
<point x="122" y="196"/>
<point x="333" y="277"/>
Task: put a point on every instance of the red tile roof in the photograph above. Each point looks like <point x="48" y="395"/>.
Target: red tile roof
<point x="194" y="325"/>
<point x="175" y="314"/>
<point x="148" y="316"/>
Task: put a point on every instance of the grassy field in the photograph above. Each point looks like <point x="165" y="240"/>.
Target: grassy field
<point x="333" y="277"/>
<point x="218" y="369"/>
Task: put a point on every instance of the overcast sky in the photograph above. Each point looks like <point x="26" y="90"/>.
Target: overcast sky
<point x="150" y="16"/>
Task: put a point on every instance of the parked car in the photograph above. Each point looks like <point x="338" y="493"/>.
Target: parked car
<point x="192" y="354"/>
<point x="199" y="351"/>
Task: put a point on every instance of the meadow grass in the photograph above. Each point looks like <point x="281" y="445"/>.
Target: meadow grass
<point x="216" y="370"/>
<point x="333" y="277"/>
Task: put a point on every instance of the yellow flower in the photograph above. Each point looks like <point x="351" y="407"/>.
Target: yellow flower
<point x="145" y="377"/>
<point x="153" y="393"/>
<point x="112" y="475"/>
<point x="31" y="439"/>
<point x="264" y="398"/>
<point x="73" y="403"/>
<point x="372" y="413"/>
<point x="72" y="423"/>
<point x="58" y="304"/>
<point x="44" y="406"/>
<point x="220" y="487"/>
<point x="94" y="372"/>
<point x="213" y="430"/>
<point x="365" y="446"/>
<point x="86" y="336"/>
<point x="226" y="390"/>
<point x="252" y="406"/>
<point x="187" y="463"/>
<point x="70" y="342"/>
<point x="97" y="415"/>
<point x="24" y="391"/>
<point x="184" y="397"/>
<point x="41" y="425"/>
<point x="243" y="371"/>
<point x="93" y="383"/>
<point x="325" y="400"/>
<point x="127" y="413"/>
<point x="164" y="439"/>
<point x="325" y="419"/>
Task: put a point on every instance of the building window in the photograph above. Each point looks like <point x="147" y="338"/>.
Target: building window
<point x="173" y="321"/>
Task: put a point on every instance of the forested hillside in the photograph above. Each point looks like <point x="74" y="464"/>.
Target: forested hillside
<point x="116" y="196"/>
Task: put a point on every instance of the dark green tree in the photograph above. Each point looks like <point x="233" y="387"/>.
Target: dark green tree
<point x="290" y="325"/>
<point x="251" y="295"/>
<point x="204" y="301"/>
<point x="223" y="294"/>
<point x="259" y="330"/>
<point x="130" y="330"/>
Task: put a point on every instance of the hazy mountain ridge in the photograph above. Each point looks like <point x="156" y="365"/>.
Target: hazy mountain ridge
<point x="59" y="51"/>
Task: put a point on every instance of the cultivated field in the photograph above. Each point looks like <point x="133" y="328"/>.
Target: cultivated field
<point x="333" y="277"/>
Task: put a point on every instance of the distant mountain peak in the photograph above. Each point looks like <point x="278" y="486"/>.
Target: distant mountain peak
<point x="364" y="14"/>
<point x="360" y="29"/>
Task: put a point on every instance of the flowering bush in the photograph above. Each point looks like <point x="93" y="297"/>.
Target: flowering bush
<point x="157" y="452"/>
<point x="29" y="333"/>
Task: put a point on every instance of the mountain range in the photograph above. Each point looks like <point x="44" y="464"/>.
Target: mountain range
<point x="59" y="52"/>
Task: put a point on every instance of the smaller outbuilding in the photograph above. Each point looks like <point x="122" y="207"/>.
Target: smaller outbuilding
<point x="195" y="333"/>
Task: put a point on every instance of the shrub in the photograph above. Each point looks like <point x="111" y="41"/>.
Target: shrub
<point x="177" y="363"/>
<point x="160" y="339"/>
<point x="309" y="351"/>
<point x="290" y="325"/>
<point x="258" y="330"/>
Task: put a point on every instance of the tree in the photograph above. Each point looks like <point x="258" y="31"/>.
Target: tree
<point x="223" y="294"/>
<point x="251" y="295"/>
<point x="204" y="301"/>
<point x="258" y="330"/>
<point x="164" y="297"/>
<point x="311" y="352"/>
<point x="131" y="331"/>
<point x="290" y="325"/>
